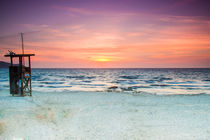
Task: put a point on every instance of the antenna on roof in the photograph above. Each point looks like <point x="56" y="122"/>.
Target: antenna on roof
<point x="21" y="34"/>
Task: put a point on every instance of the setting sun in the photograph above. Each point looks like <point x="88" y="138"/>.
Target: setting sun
<point x="102" y="59"/>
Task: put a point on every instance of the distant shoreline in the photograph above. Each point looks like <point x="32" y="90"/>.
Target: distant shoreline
<point x="111" y="68"/>
<point x="6" y="65"/>
<point x="120" y="68"/>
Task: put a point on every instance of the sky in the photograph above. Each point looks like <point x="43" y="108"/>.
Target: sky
<point x="108" y="33"/>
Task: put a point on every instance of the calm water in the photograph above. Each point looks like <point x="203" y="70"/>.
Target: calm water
<point x="134" y="81"/>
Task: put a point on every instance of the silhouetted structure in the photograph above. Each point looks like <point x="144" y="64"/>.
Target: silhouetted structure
<point x="20" y="75"/>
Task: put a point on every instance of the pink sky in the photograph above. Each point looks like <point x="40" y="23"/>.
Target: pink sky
<point x="90" y="38"/>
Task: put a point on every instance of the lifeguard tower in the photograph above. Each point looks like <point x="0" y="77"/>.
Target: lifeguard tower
<point x="20" y="75"/>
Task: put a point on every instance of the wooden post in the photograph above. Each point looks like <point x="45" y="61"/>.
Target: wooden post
<point x="29" y="61"/>
<point x="11" y="61"/>
<point x="21" y="73"/>
<point x="29" y="65"/>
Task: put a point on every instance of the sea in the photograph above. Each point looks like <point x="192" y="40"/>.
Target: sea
<point x="118" y="104"/>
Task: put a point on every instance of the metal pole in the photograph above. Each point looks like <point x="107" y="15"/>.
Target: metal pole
<point x="22" y="42"/>
<point x="22" y="47"/>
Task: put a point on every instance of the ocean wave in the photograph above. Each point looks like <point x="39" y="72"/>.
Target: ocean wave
<point x="159" y="81"/>
<point x="159" y="85"/>
<point x="52" y="83"/>
<point x="80" y="77"/>
<point x="157" y="94"/>
<point x="76" y="77"/>
<point x="149" y="81"/>
<point x="60" y="87"/>
<point x="140" y="93"/>
<point x="3" y="80"/>
<point x="130" y="76"/>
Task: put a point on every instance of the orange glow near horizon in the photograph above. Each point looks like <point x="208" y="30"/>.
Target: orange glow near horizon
<point x="115" y="39"/>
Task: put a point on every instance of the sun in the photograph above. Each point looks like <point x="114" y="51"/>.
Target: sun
<point x="101" y="59"/>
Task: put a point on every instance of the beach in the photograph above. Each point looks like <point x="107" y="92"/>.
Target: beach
<point x="89" y="115"/>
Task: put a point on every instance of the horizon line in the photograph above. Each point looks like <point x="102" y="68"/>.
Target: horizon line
<point x="128" y="68"/>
